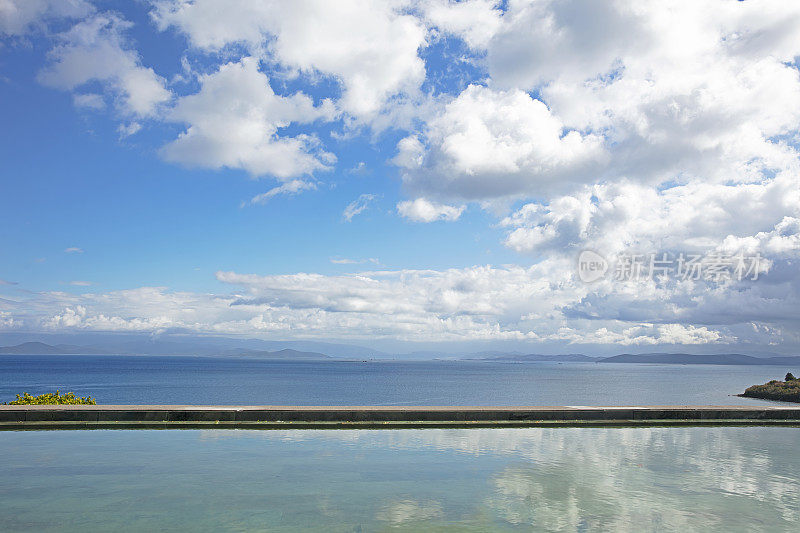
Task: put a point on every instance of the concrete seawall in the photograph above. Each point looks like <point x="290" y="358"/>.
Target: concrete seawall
<point x="15" y="417"/>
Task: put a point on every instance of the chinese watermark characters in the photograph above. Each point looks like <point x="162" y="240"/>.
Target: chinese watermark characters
<point x="712" y="266"/>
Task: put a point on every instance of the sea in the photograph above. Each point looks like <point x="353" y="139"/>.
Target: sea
<point x="142" y="380"/>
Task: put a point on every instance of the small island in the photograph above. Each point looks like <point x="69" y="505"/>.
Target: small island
<point x="787" y="390"/>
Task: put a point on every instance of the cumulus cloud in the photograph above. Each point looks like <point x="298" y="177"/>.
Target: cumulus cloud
<point x="18" y="17"/>
<point x="410" y="152"/>
<point x="696" y="216"/>
<point x="488" y="144"/>
<point x="544" y="304"/>
<point x="234" y="122"/>
<point x="608" y="126"/>
<point x="783" y="240"/>
<point x="580" y="93"/>
<point x="474" y="21"/>
<point x="422" y="210"/>
<point x="369" y="47"/>
<point x="647" y="334"/>
<point x="77" y="318"/>
<point x="95" y="50"/>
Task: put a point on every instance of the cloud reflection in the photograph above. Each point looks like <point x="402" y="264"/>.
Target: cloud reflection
<point x="576" y="479"/>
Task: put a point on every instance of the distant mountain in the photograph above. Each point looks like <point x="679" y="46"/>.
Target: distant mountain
<point x="689" y="359"/>
<point x="328" y="348"/>
<point x="538" y="358"/>
<point x="653" y="358"/>
<point x="253" y="348"/>
<point x="210" y="346"/>
<point x="40" y="348"/>
<point x="493" y="356"/>
<point x="287" y="354"/>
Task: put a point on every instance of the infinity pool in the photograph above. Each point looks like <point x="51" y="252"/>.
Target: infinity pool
<point x="581" y="479"/>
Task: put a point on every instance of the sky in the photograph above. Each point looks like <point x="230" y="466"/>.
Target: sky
<point x="558" y="177"/>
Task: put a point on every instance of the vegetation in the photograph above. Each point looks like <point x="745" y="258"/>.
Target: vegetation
<point x="784" y="391"/>
<point x="52" y="399"/>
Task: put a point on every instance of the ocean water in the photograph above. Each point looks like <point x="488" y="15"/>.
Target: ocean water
<point x="241" y="381"/>
<point x="558" y="479"/>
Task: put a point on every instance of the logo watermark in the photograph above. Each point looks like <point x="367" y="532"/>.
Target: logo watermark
<point x="712" y="266"/>
<point x="591" y="266"/>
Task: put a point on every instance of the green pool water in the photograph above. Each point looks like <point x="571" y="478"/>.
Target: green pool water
<point x="565" y="479"/>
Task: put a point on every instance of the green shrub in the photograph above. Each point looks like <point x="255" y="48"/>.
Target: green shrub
<point x="789" y="377"/>
<point x="52" y="399"/>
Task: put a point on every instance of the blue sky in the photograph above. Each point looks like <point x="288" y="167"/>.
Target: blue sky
<point x="419" y="172"/>
<point x="72" y="182"/>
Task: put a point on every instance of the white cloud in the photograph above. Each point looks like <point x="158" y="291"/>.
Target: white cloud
<point x="7" y="322"/>
<point x="648" y="335"/>
<point x="702" y="94"/>
<point x="544" y="304"/>
<point x="410" y="152"/>
<point x="615" y="126"/>
<point x="18" y="17"/>
<point x="489" y="143"/>
<point x="346" y="261"/>
<point x="360" y="169"/>
<point x="88" y="100"/>
<point x="81" y="283"/>
<point x="234" y="122"/>
<point x="357" y="206"/>
<point x="582" y="93"/>
<point x="96" y="50"/>
<point x="73" y="250"/>
<point x="370" y="47"/>
<point x="783" y="240"/>
<point x="288" y="188"/>
<point x="680" y="334"/>
<point x="126" y="130"/>
<point x="422" y="210"/>
<point x="474" y="21"/>
<point x="78" y="318"/>
<point x="574" y="39"/>
<point x="625" y="215"/>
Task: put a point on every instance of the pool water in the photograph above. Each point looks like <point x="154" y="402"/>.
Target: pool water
<point x="570" y="479"/>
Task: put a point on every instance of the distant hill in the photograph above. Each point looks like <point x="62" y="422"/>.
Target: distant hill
<point x="40" y="348"/>
<point x="174" y="344"/>
<point x="215" y="348"/>
<point x="287" y="354"/>
<point x="689" y="359"/>
<point x="538" y="358"/>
